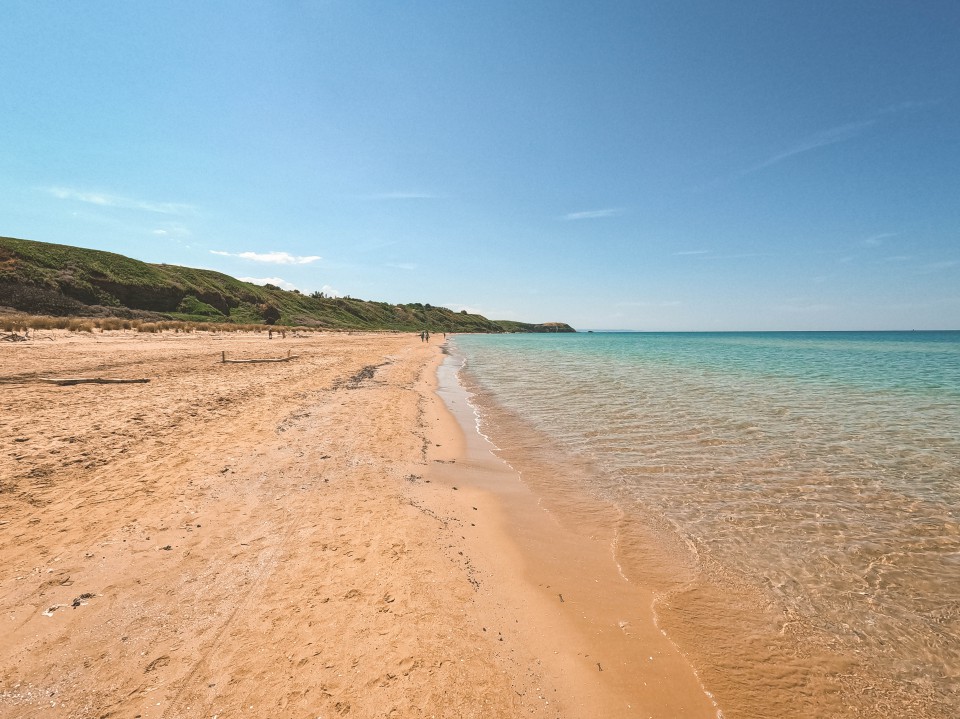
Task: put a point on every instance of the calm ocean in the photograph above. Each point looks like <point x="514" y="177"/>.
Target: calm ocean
<point x="819" y="472"/>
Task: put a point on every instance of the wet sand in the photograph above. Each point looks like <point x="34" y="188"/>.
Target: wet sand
<point x="294" y="539"/>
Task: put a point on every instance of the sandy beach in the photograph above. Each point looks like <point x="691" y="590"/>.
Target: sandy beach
<point x="311" y="538"/>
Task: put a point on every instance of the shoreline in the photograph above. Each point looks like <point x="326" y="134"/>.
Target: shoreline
<point x="552" y="564"/>
<point x="754" y="647"/>
<point x="335" y="535"/>
<point x="285" y="539"/>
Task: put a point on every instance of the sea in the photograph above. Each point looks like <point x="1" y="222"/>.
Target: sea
<point x="803" y="486"/>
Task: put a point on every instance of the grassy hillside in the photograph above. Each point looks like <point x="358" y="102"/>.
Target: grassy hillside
<point x="59" y="280"/>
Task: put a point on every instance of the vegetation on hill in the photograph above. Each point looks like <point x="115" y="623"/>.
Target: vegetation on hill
<point x="60" y="280"/>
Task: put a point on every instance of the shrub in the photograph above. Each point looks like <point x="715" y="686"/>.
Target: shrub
<point x="78" y="325"/>
<point x="190" y="305"/>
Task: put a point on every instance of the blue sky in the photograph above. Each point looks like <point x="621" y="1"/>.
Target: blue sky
<point x="680" y="165"/>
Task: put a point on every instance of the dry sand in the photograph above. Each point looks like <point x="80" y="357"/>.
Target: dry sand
<point x="313" y="538"/>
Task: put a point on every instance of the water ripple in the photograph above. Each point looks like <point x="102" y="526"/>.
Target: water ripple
<point x="824" y="467"/>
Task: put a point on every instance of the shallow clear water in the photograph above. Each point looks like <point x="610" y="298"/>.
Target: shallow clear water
<point x="822" y="467"/>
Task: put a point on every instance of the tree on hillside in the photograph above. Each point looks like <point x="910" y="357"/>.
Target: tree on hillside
<point x="271" y="315"/>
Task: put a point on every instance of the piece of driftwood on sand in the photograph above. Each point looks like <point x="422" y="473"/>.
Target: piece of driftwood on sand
<point x="90" y="380"/>
<point x="223" y="359"/>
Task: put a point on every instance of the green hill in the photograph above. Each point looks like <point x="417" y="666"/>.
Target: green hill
<point x="60" y="280"/>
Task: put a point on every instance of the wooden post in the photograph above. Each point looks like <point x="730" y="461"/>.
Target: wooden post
<point x="223" y="356"/>
<point x="90" y="380"/>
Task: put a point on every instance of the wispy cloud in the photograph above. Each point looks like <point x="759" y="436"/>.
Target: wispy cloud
<point x="832" y="136"/>
<point x="741" y="256"/>
<point x="907" y="106"/>
<point x="938" y="266"/>
<point x="400" y="195"/>
<point x="593" y="214"/>
<point x="103" y="199"/>
<point x="402" y="265"/>
<point x="691" y="252"/>
<point x="275" y="258"/>
<point x="651" y="303"/>
<point x="171" y="229"/>
<point x="877" y="240"/>
<point x="374" y="245"/>
<point x="330" y="291"/>
<point x="278" y="281"/>
<point x="824" y="138"/>
<point x="805" y="308"/>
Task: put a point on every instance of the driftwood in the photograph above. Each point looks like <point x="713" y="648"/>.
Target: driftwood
<point x="14" y="337"/>
<point x="224" y="360"/>
<point x="89" y="380"/>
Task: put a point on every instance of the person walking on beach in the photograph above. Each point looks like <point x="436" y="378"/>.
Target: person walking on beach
<point x="422" y="337"/>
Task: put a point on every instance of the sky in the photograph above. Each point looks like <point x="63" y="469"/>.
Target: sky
<point x="678" y="165"/>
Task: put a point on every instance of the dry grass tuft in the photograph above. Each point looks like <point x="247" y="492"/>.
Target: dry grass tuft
<point x="19" y="322"/>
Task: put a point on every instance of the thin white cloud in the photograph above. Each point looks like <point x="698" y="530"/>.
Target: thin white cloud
<point x="593" y="214"/>
<point x="651" y="303"/>
<point x="938" y="266"/>
<point x="377" y="245"/>
<point x="103" y="199"/>
<point x="806" y="308"/>
<point x="274" y="258"/>
<point x="741" y="256"/>
<point x="171" y="229"/>
<point x="278" y="281"/>
<point x="907" y="106"/>
<point x="400" y="195"/>
<point x="877" y="240"/>
<point x="692" y="252"/>
<point x="841" y="133"/>
<point x="830" y="136"/>
<point x="330" y="291"/>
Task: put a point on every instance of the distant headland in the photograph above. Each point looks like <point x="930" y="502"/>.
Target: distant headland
<point x="60" y="280"/>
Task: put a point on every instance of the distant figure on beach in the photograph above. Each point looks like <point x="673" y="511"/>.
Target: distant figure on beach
<point x="427" y="335"/>
<point x="423" y="337"/>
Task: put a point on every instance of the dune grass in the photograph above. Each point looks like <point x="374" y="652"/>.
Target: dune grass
<point x="20" y="322"/>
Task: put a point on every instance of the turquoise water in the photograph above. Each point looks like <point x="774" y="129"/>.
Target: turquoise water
<point x="821" y="468"/>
